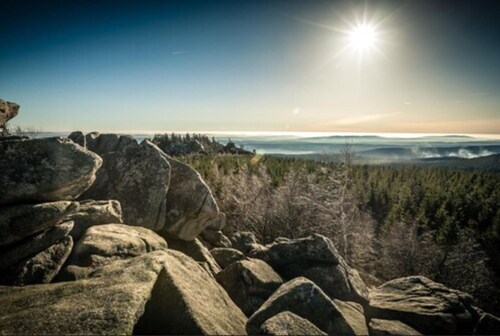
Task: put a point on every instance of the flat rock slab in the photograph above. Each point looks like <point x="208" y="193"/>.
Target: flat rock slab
<point x="303" y="298"/>
<point x="196" y="250"/>
<point x="138" y="177"/>
<point x="46" y="169"/>
<point x="103" y="244"/>
<point x="249" y="283"/>
<point x="287" y="323"/>
<point x="33" y="245"/>
<point x="91" y="213"/>
<point x="21" y="221"/>
<point x="41" y="268"/>
<point x="428" y="307"/>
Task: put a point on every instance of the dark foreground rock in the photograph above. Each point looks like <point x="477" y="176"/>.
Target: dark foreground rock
<point x="487" y="325"/>
<point x="138" y="177"/>
<point x="46" y="169"/>
<point x="196" y="250"/>
<point x="18" y="222"/>
<point x="287" y="323"/>
<point x="103" y="244"/>
<point x="426" y="306"/>
<point x="249" y="283"/>
<point x="316" y="258"/>
<point x="162" y="292"/>
<point x="303" y="298"/>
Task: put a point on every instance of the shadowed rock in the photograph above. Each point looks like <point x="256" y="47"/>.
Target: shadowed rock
<point x="427" y="306"/>
<point x="138" y="177"/>
<point x="48" y="169"/>
<point x="244" y="241"/>
<point x="33" y="245"/>
<point x="103" y="244"/>
<point x="18" y="222"/>
<point x="249" y="283"/>
<point x="303" y="298"/>
<point x="487" y="325"/>
<point x="92" y="213"/>
<point x="390" y="327"/>
<point x="226" y="256"/>
<point x="191" y="206"/>
<point x="8" y="111"/>
<point x="287" y="323"/>
<point x="41" y="268"/>
<point x="196" y="250"/>
<point x="215" y="238"/>
<point x="78" y="138"/>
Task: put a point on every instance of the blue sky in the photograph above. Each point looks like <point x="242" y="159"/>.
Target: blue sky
<point x="251" y="66"/>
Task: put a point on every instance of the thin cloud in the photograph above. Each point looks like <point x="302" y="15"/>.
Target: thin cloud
<point x="178" y="52"/>
<point x="364" y="118"/>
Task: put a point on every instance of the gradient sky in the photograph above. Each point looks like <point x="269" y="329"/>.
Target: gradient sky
<point x="251" y="66"/>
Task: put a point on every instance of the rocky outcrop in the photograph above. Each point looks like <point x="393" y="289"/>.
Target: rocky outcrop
<point x="249" y="283"/>
<point x="287" y="323"/>
<point x="103" y="244"/>
<point x="196" y="250"/>
<point x="92" y="213"/>
<point x="33" y="245"/>
<point x="41" y="268"/>
<point x="226" y="256"/>
<point x="487" y="325"/>
<point x="215" y="238"/>
<point x="303" y="298"/>
<point x="316" y="258"/>
<point x="8" y="111"/>
<point x="138" y="177"/>
<point x="426" y="306"/>
<point x="106" y="143"/>
<point x="191" y="206"/>
<point x="244" y="241"/>
<point x="78" y="138"/>
<point x="390" y="327"/>
<point x="18" y="222"/>
<point x="48" y="169"/>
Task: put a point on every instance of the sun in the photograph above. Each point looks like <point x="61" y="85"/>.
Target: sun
<point x="363" y="37"/>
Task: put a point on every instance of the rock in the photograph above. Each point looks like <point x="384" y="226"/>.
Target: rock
<point x="487" y="325"/>
<point x="226" y="256"/>
<point x="20" y="221"/>
<point x="92" y="213"/>
<point x="78" y="138"/>
<point x="8" y="111"/>
<point x="191" y="206"/>
<point x="162" y="292"/>
<point x="107" y="143"/>
<point x="303" y="298"/>
<point x="33" y="245"/>
<point x="390" y="327"/>
<point x="249" y="283"/>
<point x="42" y="268"/>
<point x="316" y="258"/>
<point x="103" y="244"/>
<point x="138" y="177"/>
<point x="287" y="323"/>
<point x="215" y="238"/>
<point x="217" y="223"/>
<point x="46" y="169"/>
<point x="196" y="250"/>
<point x="244" y="241"/>
<point x="426" y="306"/>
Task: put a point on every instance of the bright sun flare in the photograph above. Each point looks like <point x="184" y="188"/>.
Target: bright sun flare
<point x="363" y="37"/>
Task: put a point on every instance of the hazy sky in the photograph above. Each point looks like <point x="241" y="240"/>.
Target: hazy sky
<point x="252" y="65"/>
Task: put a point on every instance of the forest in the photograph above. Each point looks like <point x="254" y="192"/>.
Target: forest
<point x="387" y="221"/>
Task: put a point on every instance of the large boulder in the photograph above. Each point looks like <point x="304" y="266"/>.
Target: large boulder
<point x="138" y="177"/>
<point x="46" y="169"/>
<point x="225" y="256"/>
<point x="316" y="258"/>
<point x="103" y="244"/>
<point x="249" y="283"/>
<point x="487" y="325"/>
<point x="424" y="305"/>
<point x="303" y="298"/>
<point x="196" y="250"/>
<point x="215" y="238"/>
<point x="162" y="292"/>
<point x="390" y="327"/>
<point x="78" y="138"/>
<point x="105" y="143"/>
<point x="191" y="206"/>
<point x="92" y="213"/>
<point x="244" y="241"/>
<point x="8" y="111"/>
<point x="21" y="221"/>
<point x="41" y="268"/>
<point x="287" y="323"/>
<point x="15" y="253"/>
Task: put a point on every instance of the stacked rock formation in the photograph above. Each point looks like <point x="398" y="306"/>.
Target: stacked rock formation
<point x="102" y="235"/>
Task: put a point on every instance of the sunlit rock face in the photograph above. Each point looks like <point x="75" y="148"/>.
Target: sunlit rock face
<point x="46" y="169"/>
<point x="8" y="110"/>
